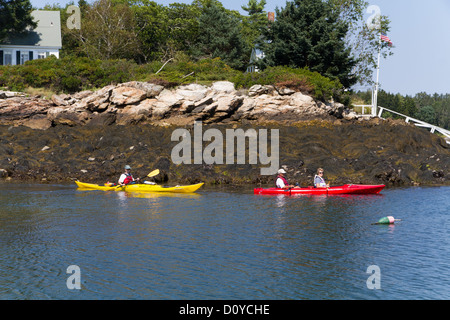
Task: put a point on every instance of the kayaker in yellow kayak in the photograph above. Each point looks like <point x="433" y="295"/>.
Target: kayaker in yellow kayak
<point x="126" y="177"/>
<point x="319" y="181"/>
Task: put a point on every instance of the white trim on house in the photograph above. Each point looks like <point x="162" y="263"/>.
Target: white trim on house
<point x="9" y="56"/>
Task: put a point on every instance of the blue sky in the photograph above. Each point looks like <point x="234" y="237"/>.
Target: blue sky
<point x="420" y="31"/>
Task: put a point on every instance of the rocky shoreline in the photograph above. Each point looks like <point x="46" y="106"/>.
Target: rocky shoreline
<point x="146" y="103"/>
<point x="90" y="136"/>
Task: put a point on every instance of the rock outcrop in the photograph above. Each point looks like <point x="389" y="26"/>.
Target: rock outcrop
<point x="140" y="102"/>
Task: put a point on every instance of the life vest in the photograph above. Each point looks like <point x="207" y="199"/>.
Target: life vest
<point x="321" y="183"/>
<point x="128" y="179"/>
<point x="282" y="178"/>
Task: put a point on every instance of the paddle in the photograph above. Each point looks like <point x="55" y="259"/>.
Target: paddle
<point x="153" y="173"/>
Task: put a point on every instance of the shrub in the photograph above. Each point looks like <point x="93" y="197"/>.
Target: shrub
<point x="71" y="74"/>
<point x="300" y="79"/>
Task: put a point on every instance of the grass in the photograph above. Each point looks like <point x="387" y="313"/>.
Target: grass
<point x="41" y="92"/>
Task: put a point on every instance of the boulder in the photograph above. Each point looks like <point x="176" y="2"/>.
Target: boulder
<point x="336" y="109"/>
<point x="226" y="106"/>
<point x="94" y="101"/>
<point x="301" y="100"/>
<point x="223" y="86"/>
<point x="59" y="100"/>
<point x="170" y="98"/>
<point x="187" y="107"/>
<point x="152" y="90"/>
<point x="127" y="95"/>
<point x="286" y="91"/>
<point x="71" y="116"/>
<point x="10" y="94"/>
<point x="38" y="123"/>
<point x="145" y="107"/>
<point x="18" y="108"/>
<point x="82" y="94"/>
<point x="243" y="112"/>
<point x="192" y="92"/>
<point x="101" y="119"/>
<point x="257" y="90"/>
<point x="160" y="110"/>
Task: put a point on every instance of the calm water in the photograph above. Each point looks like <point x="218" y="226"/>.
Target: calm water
<point x="222" y="244"/>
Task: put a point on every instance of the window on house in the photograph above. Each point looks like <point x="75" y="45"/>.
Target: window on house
<point x="7" y="57"/>
<point x="24" y="56"/>
<point x="42" y="55"/>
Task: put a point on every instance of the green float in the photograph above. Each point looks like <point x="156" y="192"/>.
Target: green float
<point x="387" y="220"/>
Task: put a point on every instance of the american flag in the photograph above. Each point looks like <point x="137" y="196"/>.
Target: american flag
<point x="386" y="38"/>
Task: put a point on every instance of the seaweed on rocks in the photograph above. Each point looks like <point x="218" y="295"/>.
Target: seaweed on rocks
<point x="368" y="152"/>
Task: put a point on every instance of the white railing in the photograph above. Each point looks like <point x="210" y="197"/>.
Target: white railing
<point x="363" y="107"/>
<point x="416" y="122"/>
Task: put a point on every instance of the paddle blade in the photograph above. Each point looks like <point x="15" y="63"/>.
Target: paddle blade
<point x="153" y="173"/>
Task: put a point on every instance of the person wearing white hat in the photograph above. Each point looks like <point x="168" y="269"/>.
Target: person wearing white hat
<point x="281" y="181"/>
<point x="126" y="177"/>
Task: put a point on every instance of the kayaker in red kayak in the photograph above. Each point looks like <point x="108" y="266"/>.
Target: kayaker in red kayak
<point x="126" y="177"/>
<point x="319" y="181"/>
<point x="281" y="182"/>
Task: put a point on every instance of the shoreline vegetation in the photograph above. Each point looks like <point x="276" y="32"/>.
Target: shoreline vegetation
<point x="50" y="76"/>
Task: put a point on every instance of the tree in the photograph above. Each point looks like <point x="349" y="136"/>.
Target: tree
<point x="220" y="36"/>
<point x="427" y="114"/>
<point x="15" y="18"/>
<point x="254" y="7"/>
<point x="407" y="106"/>
<point x="255" y="22"/>
<point x="152" y="29"/>
<point x="183" y="27"/>
<point x="363" y="42"/>
<point x="309" y="33"/>
<point x="108" y="31"/>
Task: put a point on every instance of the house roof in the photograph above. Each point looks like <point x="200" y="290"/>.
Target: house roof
<point x="46" y="34"/>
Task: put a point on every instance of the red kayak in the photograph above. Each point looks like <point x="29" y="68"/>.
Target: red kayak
<point x="345" y="189"/>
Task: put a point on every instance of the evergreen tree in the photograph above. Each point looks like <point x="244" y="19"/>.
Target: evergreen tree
<point x="254" y="7"/>
<point x="309" y="33"/>
<point x="15" y="17"/>
<point x="255" y="22"/>
<point x="427" y="114"/>
<point x="220" y="36"/>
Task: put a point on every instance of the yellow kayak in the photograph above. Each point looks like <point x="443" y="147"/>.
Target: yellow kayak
<point x="141" y="187"/>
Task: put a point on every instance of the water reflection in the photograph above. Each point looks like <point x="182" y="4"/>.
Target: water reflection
<point x="281" y="200"/>
<point x="153" y="195"/>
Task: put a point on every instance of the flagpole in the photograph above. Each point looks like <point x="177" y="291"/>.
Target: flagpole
<point x="375" y="96"/>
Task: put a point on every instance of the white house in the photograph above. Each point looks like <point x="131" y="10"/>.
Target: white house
<point x="43" y="41"/>
<point x="256" y="55"/>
